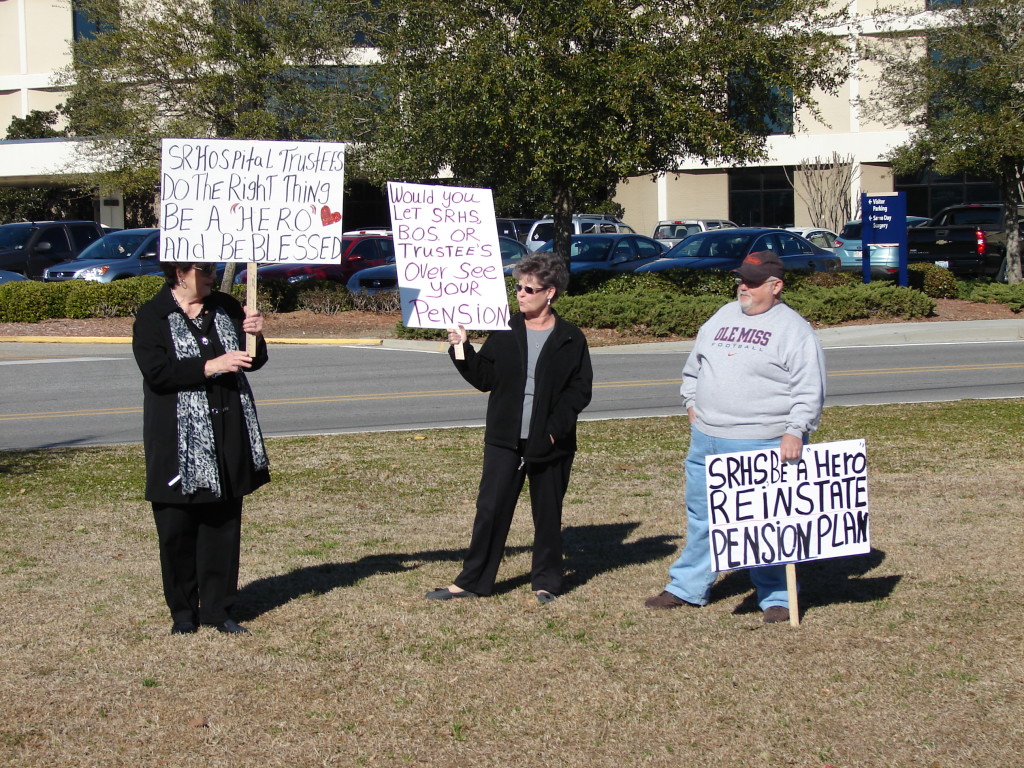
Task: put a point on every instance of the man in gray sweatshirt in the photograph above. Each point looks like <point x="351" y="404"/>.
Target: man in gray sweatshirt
<point x="755" y="380"/>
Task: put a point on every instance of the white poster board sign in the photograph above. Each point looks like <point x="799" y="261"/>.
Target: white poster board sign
<point x="763" y="511"/>
<point x="258" y="201"/>
<point x="448" y="258"/>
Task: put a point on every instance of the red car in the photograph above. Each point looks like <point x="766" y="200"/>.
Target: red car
<point x="358" y="252"/>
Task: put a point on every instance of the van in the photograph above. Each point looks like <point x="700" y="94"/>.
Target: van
<point x="582" y="224"/>
<point x="672" y="231"/>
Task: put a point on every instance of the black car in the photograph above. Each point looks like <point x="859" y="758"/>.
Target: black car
<point x="517" y="229"/>
<point x="29" y="247"/>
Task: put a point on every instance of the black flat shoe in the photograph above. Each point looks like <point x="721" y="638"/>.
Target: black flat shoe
<point x="446" y="594"/>
<point x="183" y="628"/>
<point x="231" y="627"/>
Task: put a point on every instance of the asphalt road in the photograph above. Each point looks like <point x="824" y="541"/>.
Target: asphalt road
<point x="54" y="395"/>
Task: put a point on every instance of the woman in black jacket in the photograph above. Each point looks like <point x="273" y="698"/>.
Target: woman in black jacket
<point x="204" y="449"/>
<point x="539" y="377"/>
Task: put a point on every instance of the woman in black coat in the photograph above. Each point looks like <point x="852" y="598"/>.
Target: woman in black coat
<point x="204" y="449"/>
<point x="539" y="377"/>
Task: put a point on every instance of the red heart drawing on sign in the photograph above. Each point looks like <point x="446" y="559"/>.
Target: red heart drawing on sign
<point x="328" y="217"/>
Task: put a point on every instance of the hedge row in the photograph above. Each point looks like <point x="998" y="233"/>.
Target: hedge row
<point x="30" y="302"/>
<point x="652" y="304"/>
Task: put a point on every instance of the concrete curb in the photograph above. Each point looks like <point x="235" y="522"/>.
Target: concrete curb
<point x="846" y="336"/>
<point x="127" y="340"/>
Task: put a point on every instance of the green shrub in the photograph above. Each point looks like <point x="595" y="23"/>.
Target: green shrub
<point x="933" y="280"/>
<point x="994" y="293"/>
<point x="381" y="303"/>
<point x="121" y="298"/>
<point x="429" y="334"/>
<point x="324" y="297"/>
<point x="655" y="314"/>
<point x="272" y="295"/>
<point x="31" y="301"/>
<point x="798" y="280"/>
<point x="829" y="306"/>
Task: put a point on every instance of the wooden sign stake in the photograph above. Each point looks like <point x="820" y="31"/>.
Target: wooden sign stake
<point x="794" y="606"/>
<point x="250" y="304"/>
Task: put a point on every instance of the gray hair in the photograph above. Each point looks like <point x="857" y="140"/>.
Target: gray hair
<point x="547" y="267"/>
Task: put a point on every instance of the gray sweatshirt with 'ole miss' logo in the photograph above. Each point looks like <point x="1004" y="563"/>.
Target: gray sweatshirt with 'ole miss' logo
<point x="755" y="377"/>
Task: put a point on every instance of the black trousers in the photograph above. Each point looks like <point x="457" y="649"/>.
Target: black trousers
<point x="199" y="551"/>
<point x="501" y="481"/>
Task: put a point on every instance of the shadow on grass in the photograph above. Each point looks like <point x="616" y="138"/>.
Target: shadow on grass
<point x="263" y="595"/>
<point x="589" y="551"/>
<point x="822" y="582"/>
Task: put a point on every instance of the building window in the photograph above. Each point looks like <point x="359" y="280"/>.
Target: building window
<point x="82" y="26"/>
<point x="760" y="197"/>
<point x="928" y="192"/>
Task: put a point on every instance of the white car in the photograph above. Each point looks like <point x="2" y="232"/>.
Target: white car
<point x="582" y="224"/>
<point x="821" y="237"/>
<point x="671" y="231"/>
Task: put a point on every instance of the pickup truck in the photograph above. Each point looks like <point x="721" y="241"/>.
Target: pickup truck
<point x="969" y="239"/>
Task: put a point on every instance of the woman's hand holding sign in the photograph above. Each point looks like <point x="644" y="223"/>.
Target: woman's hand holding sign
<point x="457" y="337"/>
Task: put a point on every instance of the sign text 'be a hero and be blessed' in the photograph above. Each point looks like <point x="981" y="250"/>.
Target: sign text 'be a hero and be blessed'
<point x="260" y="201"/>
<point x="448" y="257"/>
<point x="764" y="511"/>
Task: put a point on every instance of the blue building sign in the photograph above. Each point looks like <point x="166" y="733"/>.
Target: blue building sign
<point x="884" y="224"/>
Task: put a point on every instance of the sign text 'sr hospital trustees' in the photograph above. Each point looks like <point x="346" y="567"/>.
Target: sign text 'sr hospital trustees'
<point x="260" y="201"/>
<point x="448" y="257"/>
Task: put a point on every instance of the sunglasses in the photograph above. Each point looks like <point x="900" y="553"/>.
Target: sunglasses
<point x="749" y="284"/>
<point x="206" y="269"/>
<point x="528" y="290"/>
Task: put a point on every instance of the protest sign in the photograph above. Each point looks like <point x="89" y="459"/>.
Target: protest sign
<point x="447" y="256"/>
<point x="251" y="201"/>
<point x="763" y="511"/>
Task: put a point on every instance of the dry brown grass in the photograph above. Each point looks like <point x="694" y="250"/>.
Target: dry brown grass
<point x="910" y="656"/>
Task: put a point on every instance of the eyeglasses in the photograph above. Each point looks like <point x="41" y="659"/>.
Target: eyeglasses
<point x="750" y="284"/>
<point x="206" y="269"/>
<point x="528" y="290"/>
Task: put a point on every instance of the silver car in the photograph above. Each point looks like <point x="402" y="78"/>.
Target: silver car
<point x="128" y="253"/>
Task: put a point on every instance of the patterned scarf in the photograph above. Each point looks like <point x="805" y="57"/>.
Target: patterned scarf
<point x="197" y="453"/>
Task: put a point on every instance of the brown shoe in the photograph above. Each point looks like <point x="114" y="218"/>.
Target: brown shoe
<point x="667" y="600"/>
<point x="776" y="614"/>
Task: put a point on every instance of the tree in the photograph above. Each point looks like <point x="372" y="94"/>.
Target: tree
<point x="824" y="186"/>
<point x="561" y="100"/>
<point x="246" y="69"/>
<point x="959" y="85"/>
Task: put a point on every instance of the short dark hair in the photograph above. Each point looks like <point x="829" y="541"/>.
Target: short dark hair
<point x="171" y="270"/>
<point x="547" y="267"/>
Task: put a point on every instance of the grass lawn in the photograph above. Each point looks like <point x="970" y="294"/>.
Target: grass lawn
<point x="912" y="655"/>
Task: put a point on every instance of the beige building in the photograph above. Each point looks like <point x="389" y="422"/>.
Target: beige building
<point x="35" y="44"/>
<point x="773" y="192"/>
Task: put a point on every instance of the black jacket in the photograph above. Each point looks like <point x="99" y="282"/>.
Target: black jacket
<point x="563" y="387"/>
<point x="163" y="375"/>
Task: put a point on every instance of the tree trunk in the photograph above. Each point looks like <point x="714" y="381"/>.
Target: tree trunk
<point x="229" y="277"/>
<point x="563" y="221"/>
<point x="1012" y="195"/>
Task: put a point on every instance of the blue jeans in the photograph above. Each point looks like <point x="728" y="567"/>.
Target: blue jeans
<point x="691" y="575"/>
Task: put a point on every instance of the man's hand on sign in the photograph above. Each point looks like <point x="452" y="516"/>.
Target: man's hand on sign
<point x="457" y="337"/>
<point x="790" y="447"/>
